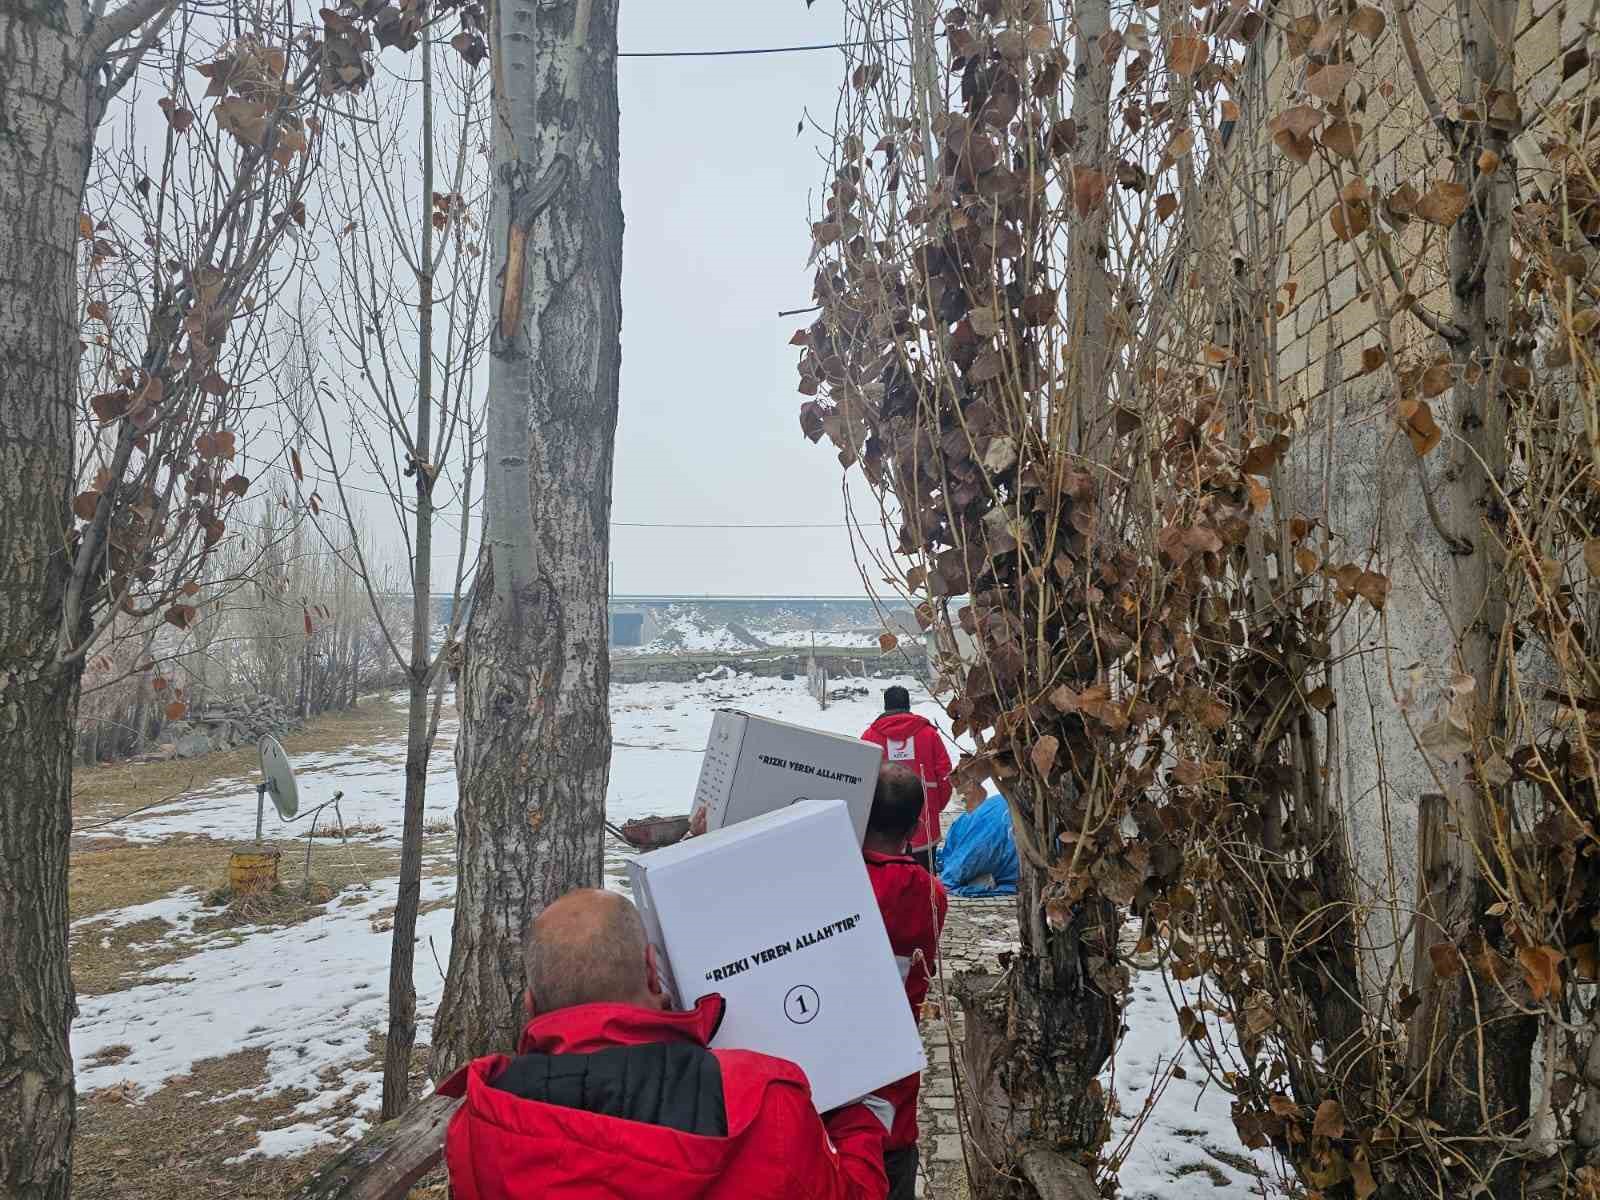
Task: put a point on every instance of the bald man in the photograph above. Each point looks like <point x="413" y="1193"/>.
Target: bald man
<point x="612" y="1095"/>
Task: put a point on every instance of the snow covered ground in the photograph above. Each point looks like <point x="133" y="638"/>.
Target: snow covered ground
<point x="312" y="994"/>
<point x="1188" y="1145"/>
<point x="689" y="630"/>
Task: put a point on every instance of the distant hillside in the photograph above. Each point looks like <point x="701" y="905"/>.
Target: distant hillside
<point x="735" y="626"/>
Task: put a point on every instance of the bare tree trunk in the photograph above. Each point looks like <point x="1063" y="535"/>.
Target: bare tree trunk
<point x="45" y="119"/>
<point x="419" y="742"/>
<point x="535" y="745"/>
<point x="1477" y="1045"/>
<point x="1035" y="1046"/>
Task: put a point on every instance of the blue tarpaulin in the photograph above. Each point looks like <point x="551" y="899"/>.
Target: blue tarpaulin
<point x="980" y="857"/>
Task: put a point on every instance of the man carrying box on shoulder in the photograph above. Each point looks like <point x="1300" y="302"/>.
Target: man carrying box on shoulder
<point x="913" y="905"/>
<point x="912" y="741"/>
<point x="612" y="1096"/>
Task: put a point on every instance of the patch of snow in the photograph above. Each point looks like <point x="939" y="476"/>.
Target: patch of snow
<point x="289" y="1141"/>
<point x="312" y="994"/>
<point x="286" y="990"/>
<point x="1189" y="1123"/>
<point x="177" y="909"/>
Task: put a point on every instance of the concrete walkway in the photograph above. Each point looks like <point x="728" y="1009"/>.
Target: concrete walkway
<point x="975" y="932"/>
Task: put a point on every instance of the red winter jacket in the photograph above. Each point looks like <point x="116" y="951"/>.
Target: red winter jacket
<point x="908" y="738"/>
<point x="632" y="1103"/>
<point x="913" y="905"/>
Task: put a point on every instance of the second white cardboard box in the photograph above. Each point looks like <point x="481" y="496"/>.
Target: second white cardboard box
<point x="754" y="765"/>
<point x="777" y="915"/>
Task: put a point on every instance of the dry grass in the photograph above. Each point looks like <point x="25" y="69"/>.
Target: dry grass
<point x="354" y="829"/>
<point x="278" y="906"/>
<point x="383" y="919"/>
<point x="110" y="960"/>
<point x="99" y="793"/>
<point x="176" y="1142"/>
<point x="106" y="877"/>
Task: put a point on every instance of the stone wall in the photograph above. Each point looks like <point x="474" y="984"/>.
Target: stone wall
<point x="909" y="658"/>
<point x="1350" y="464"/>
<point x="220" y="726"/>
<point x="1330" y="317"/>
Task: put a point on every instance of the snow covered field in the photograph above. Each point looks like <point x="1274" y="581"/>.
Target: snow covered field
<point x="312" y="994"/>
<point x="688" y="630"/>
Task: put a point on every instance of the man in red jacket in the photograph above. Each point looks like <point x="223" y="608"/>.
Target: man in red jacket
<point x="611" y="1096"/>
<point x="913" y="741"/>
<point x="913" y="905"/>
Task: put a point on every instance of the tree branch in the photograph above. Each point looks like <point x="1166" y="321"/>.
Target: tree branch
<point x="118" y="25"/>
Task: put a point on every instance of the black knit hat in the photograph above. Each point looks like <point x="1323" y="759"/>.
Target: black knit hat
<point x="896" y="699"/>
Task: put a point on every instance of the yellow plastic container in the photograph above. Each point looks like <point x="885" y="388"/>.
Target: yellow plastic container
<point x="252" y="871"/>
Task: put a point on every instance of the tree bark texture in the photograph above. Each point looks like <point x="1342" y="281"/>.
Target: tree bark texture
<point x="1035" y="1044"/>
<point x="44" y="143"/>
<point x="1035" y="1040"/>
<point x="535" y="746"/>
<point x="1479" y="1046"/>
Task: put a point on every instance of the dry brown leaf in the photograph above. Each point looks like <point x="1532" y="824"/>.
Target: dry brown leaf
<point x="1361" y="1178"/>
<point x="1230" y="111"/>
<point x="1446" y="960"/>
<point x="1186" y="54"/>
<point x="1349" y="221"/>
<point x="1436" y="380"/>
<point x="1182" y="142"/>
<point x="1591" y="557"/>
<point x="1330" y="81"/>
<point x="1541" y="966"/>
<point x="1298" y="148"/>
<point x="1416" y="418"/>
<point x="1043" y="754"/>
<point x="1372" y="358"/>
<point x="887" y="642"/>
<point x="1373" y="588"/>
<point x="1343" y="138"/>
<point x="1444" y="203"/>
<point x="1300" y="120"/>
<point x="1330" y="1120"/>
<point x="177" y="710"/>
<point x="1089" y="189"/>
<point x="1166" y="205"/>
<point x="1369" y="22"/>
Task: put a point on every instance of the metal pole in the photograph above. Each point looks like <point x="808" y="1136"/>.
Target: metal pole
<point x="261" y="800"/>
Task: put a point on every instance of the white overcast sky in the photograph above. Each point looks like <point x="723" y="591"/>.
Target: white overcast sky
<point x="716" y="192"/>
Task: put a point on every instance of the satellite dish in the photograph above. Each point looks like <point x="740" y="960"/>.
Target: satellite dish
<point x="279" y="778"/>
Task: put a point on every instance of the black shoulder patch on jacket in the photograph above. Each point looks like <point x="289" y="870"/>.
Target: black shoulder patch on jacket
<point x="671" y="1084"/>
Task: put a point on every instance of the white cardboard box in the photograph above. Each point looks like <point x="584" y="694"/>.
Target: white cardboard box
<point x="754" y="765"/>
<point x="777" y="915"/>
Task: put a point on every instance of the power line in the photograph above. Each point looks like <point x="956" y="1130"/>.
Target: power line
<point x="761" y="50"/>
<point x="644" y="525"/>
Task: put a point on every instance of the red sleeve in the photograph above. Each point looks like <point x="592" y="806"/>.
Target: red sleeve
<point x="937" y="783"/>
<point x="837" y="1157"/>
<point x="873" y="735"/>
